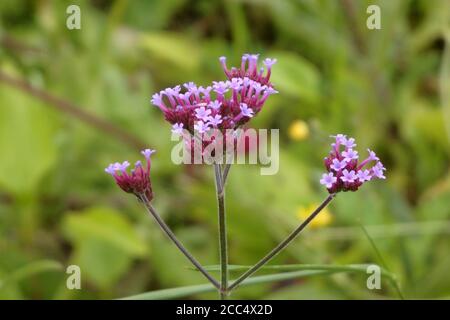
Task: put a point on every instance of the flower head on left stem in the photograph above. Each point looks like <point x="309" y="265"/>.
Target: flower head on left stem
<point x="137" y="181"/>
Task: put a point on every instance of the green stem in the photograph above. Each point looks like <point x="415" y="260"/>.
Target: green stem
<point x="282" y="244"/>
<point x="174" y="239"/>
<point x="222" y="232"/>
<point x="301" y="272"/>
<point x="226" y="170"/>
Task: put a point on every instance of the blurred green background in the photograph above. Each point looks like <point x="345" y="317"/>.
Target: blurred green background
<point x="388" y="88"/>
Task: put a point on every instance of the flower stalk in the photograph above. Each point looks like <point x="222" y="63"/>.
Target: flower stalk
<point x="226" y="170"/>
<point x="175" y="240"/>
<point x="223" y="250"/>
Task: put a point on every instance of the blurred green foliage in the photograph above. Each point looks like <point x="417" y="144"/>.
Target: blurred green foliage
<point x="389" y="88"/>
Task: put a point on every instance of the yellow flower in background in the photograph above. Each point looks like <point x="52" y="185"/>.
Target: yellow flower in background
<point x="298" y="130"/>
<point x="323" y="219"/>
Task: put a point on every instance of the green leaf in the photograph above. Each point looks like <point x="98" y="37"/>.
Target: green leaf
<point x="172" y="293"/>
<point x="297" y="267"/>
<point x="302" y="271"/>
<point x="190" y="290"/>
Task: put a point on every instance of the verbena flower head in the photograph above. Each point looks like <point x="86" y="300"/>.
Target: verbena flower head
<point x="345" y="171"/>
<point x="222" y="105"/>
<point x="137" y="181"/>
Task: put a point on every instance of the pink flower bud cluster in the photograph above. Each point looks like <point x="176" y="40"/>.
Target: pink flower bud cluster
<point x="137" y="181"/>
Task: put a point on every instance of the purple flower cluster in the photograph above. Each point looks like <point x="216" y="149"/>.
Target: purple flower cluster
<point x="224" y="104"/>
<point x="345" y="173"/>
<point x="138" y="180"/>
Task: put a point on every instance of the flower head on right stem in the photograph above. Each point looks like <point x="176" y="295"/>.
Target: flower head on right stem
<point x="345" y="172"/>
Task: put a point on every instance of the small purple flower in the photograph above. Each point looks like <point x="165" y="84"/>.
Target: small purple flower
<point x="223" y="62"/>
<point x="117" y="166"/>
<point x="215" y="104"/>
<point x="235" y="83"/>
<point x="243" y="61"/>
<point x="363" y="175"/>
<point x="246" y="111"/>
<point x="205" y="91"/>
<point x="156" y="99"/>
<point x="173" y="91"/>
<point x="338" y="165"/>
<point x="201" y="127"/>
<point x="372" y="155"/>
<point x="111" y="169"/>
<point x="202" y="113"/>
<point x="269" y="62"/>
<point x="258" y="87"/>
<point x="349" y="143"/>
<point x="215" y="120"/>
<point x="269" y="91"/>
<point x="220" y="87"/>
<point x="177" y="128"/>
<point x="252" y="63"/>
<point x="147" y="153"/>
<point x="191" y="86"/>
<point x="185" y="97"/>
<point x="340" y="138"/>
<point x="380" y="166"/>
<point x="350" y="155"/>
<point x="348" y="176"/>
<point x="328" y="179"/>
<point x="125" y="165"/>
<point x="378" y="170"/>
